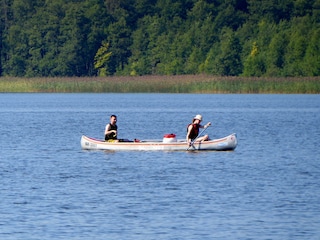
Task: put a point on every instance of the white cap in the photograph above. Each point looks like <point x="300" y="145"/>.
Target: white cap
<point x="199" y="117"/>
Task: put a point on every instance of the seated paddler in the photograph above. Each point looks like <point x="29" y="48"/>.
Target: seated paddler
<point x="193" y="130"/>
<point x="111" y="130"/>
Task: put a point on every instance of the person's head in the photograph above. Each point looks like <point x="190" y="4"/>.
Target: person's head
<point x="113" y="119"/>
<point x="197" y="119"/>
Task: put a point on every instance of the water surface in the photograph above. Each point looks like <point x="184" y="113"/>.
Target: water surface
<point x="268" y="188"/>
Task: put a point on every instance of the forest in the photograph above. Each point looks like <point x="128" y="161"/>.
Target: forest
<point x="84" y="38"/>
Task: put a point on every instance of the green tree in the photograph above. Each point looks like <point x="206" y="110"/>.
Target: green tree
<point x="16" y="38"/>
<point x="209" y="64"/>
<point x="302" y="7"/>
<point x="144" y="40"/>
<point x="5" y="17"/>
<point x="101" y="60"/>
<point x="296" y="45"/>
<point x="270" y="10"/>
<point x="119" y="37"/>
<point x="231" y="14"/>
<point x="316" y="11"/>
<point x="275" y="55"/>
<point x="169" y="9"/>
<point x="254" y="64"/>
<point x="228" y="61"/>
<point x="312" y="56"/>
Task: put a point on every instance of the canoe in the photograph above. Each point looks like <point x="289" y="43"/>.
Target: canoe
<point x="222" y="144"/>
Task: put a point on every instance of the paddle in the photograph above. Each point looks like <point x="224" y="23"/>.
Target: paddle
<point x="191" y="144"/>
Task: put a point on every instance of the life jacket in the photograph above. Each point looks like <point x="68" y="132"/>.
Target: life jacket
<point x="112" y="135"/>
<point x="195" y="130"/>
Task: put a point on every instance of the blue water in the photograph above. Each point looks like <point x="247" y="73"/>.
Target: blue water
<point x="268" y="188"/>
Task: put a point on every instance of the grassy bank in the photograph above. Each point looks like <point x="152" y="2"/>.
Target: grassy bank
<point x="162" y="84"/>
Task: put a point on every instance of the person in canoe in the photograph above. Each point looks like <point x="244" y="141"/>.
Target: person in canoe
<point x="111" y="130"/>
<point x="193" y="131"/>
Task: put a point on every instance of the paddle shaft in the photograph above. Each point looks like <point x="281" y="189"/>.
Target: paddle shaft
<point x="191" y="144"/>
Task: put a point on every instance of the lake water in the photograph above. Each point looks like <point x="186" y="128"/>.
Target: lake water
<point x="268" y="188"/>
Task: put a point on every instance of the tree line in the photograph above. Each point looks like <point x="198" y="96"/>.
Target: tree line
<point x="42" y="38"/>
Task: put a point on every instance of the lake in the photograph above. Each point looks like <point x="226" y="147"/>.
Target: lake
<point x="268" y="188"/>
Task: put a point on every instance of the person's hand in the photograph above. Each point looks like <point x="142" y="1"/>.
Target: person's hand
<point x="207" y="125"/>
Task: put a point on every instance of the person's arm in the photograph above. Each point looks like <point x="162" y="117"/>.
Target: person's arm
<point x="207" y="125"/>
<point x="188" y="139"/>
<point x="106" y="131"/>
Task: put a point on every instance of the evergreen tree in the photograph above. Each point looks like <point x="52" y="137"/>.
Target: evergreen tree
<point x="228" y="62"/>
<point x="254" y="64"/>
<point x="296" y="45"/>
<point x="312" y="56"/>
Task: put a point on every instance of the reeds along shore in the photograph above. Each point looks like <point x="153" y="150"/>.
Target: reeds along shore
<point x="162" y="84"/>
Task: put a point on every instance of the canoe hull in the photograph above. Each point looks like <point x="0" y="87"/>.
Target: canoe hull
<point x="223" y="144"/>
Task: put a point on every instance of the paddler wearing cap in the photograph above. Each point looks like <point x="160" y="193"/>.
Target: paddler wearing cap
<point x="193" y="131"/>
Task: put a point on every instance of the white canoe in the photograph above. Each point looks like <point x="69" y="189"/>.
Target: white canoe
<point x="222" y="144"/>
